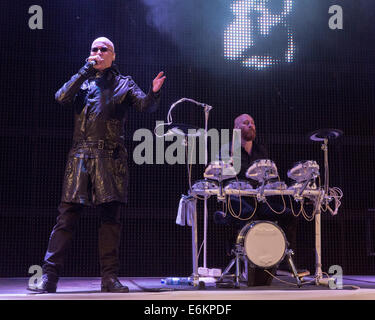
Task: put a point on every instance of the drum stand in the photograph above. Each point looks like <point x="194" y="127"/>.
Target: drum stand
<point x="289" y="253"/>
<point x="239" y="256"/>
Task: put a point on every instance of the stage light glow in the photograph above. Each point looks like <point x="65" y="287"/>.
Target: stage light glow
<point x="241" y="34"/>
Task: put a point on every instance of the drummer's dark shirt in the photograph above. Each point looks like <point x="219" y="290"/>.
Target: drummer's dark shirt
<point x="257" y="152"/>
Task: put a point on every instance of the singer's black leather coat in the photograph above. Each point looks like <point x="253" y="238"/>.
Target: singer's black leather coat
<point x="97" y="171"/>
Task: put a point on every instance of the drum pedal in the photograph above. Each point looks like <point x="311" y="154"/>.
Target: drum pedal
<point x="303" y="274"/>
<point x="326" y="281"/>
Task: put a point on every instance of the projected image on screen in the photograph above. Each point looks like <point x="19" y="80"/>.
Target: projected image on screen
<point x="259" y="38"/>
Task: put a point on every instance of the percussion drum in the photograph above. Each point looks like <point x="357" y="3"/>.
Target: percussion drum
<point x="205" y="187"/>
<point x="299" y="186"/>
<point x="262" y="170"/>
<point x="277" y="185"/>
<point x="234" y="185"/>
<point x="264" y="243"/>
<point x="304" y="171"/>
<point x="220" y="170"/>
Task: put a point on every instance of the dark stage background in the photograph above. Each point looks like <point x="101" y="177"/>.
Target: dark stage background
<point x="328" y="84"/>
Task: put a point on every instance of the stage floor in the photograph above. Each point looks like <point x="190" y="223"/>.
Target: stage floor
<point x="354" y="288"/>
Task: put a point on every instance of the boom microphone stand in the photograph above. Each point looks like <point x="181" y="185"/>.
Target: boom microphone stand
<point x="183" y="129"/>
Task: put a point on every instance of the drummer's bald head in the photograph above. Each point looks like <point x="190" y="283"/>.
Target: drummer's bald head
<point x="239" y="120"/>
<point x="246" y="124"/>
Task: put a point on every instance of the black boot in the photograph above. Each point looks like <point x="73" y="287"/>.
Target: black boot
<point x="47" y="284"/>
<point x="109" y="243"/>
<point x="61" y="238"/>
<point x="112" y="284"/>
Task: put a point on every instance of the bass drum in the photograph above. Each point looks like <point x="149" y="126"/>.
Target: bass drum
<point x="264" y="243"/>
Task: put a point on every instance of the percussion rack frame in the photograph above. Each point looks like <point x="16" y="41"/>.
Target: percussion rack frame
<point x="320" y="198"/>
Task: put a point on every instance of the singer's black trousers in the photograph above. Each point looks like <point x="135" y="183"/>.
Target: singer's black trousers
<point x="62" y="235"/>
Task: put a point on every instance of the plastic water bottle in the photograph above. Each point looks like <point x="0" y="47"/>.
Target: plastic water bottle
<point x="176" y="281"/>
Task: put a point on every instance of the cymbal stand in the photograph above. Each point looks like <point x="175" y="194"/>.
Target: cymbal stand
<point x="322" y="200"/>
<point x="206" y="114"/>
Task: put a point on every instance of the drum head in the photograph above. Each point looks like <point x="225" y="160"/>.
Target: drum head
<point x="262" y="170"/>
<point x="304" y="170"/>
<point x="264" y="243"/>
<point x="204" y="187"/>
<point x="238" y="185"/>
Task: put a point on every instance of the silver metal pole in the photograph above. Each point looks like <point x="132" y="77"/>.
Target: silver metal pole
<point x="194" y="237"/>
<point x="318" y="247"/>
<point x="206" y="111"/>
<point x="205" y="234"/>
<point x="323" y="200"/>
<point x="326" y="170"/>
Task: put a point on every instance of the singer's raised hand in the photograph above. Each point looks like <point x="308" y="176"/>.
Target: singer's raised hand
<point x="158" y="82"/>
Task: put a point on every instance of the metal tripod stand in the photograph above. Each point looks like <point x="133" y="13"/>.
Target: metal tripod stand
<point x="239" y="256"/>
<point x="236" y="261"/>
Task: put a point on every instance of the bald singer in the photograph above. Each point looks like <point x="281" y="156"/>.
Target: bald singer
<point x="96" y="172"/>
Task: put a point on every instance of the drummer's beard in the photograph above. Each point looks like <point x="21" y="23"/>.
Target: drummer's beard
<point x="249" y="135"/>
